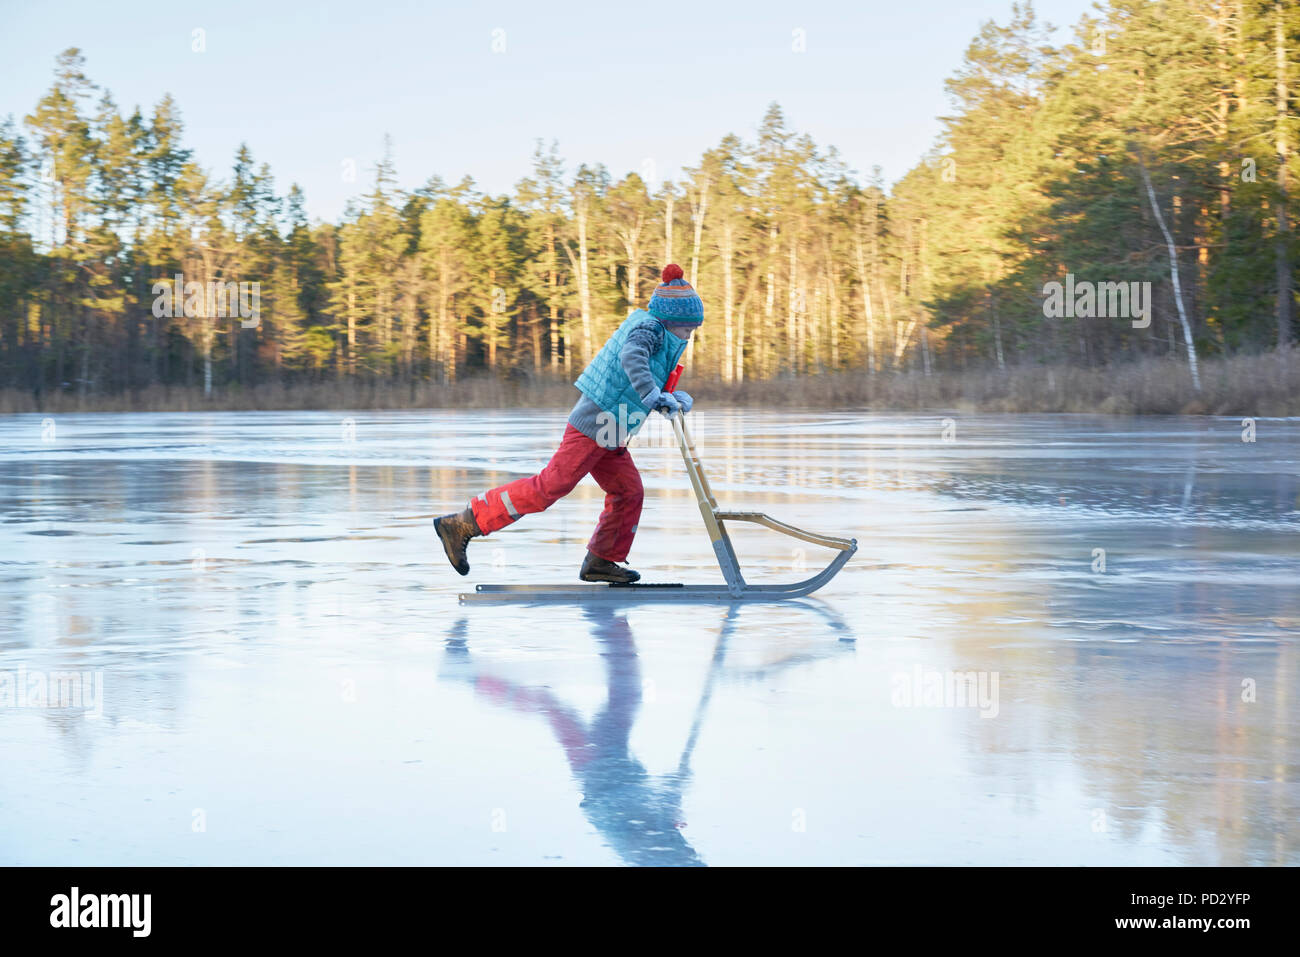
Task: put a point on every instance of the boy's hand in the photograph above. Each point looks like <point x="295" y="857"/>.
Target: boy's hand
<point x="684" y="400"/>
<point x="667" y="404"/>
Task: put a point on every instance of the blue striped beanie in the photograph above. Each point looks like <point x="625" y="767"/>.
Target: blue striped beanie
<point x="675" y="301"/>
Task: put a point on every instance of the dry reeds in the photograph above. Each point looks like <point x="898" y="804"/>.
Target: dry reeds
<point x="1267" y="384"/>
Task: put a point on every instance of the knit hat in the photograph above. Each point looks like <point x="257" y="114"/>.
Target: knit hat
<point x="675" y="301"/>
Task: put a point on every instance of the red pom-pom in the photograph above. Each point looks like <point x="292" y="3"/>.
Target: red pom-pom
<point x="672" y="271"/>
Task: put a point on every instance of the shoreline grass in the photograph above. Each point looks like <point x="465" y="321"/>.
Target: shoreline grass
<point x="1266" y="384"/>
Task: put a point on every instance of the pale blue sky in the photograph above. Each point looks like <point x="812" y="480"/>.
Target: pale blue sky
<point x="309" y="85"/>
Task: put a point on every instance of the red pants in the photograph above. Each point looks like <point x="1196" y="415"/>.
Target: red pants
<point x="577" y="456"/>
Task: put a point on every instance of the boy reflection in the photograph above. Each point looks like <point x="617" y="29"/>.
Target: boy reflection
<point x="638" y="814"/>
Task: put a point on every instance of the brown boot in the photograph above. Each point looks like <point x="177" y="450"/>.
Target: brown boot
<point x="456" y="530"/>
<point x="597" y="569"/>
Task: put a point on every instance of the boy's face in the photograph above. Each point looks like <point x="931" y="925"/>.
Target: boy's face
<point x="681" y="332"/>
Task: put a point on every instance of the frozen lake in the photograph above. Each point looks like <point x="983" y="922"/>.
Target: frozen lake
<point x="274" y="668"/>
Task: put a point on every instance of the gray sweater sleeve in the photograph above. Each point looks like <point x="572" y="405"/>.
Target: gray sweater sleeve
<point x="642" y="342"/>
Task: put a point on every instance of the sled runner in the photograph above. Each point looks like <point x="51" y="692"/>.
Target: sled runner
<point x="715" y="519"/>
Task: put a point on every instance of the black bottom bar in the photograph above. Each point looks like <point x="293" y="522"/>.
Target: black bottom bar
<point x="981" y="908"/>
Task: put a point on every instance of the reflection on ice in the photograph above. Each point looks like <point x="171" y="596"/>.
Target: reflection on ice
<point x="638" y="814"/>
<point x="282" y="650"/>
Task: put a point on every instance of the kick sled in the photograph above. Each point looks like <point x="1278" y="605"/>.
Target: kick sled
<point x="735" y="588"/>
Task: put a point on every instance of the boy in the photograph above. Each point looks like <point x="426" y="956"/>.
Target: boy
<point x="620" y="387"/>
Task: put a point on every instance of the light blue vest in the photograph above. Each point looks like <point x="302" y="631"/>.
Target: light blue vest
<point x="607" y="385"/>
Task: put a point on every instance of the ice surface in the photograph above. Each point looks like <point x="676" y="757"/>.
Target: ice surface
<point x="287" y="676"/>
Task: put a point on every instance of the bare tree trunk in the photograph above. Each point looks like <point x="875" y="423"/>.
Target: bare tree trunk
<point x="740" y="347"/>
<point x="631" y="238"/>
<point x="207" y="356"/>
<point x="1222" y="112"/>
<point x="997" y="328"/>
<point x="84" y="377"/>
<point x="434" y="340"/>
<point x="810" y="331"/>
<point x="584" y="289"/>
<point x="832" y="282"/>
<point x="491" y="318"/>
<point x="699" y="209"/>
<point x="1282" y="242"/>
<point x="903" y="333"/>
<point x="207" y="266"/>
<point x="553" y="284"/>
<point x="881" y="286"/>
<point x="769" y="313"/>
<point x="1173" y="275"/>
<point x="535" y="328"/>
<point x="633" y="267"/>
<point x="868" y="316"/>
<point x="445" y="332"/>
<point x="352" y="332"/>
<point x="887" y="304"/>
<point x="582" y="264"/>
<point x="997" y="339"/>
<point x="555" y="337"/>
<point x="669" y="205"/>
<point x="728" y="286"/>
<point x="791" y="304"/>
<point x="385" y="319"/>
<point x="923" y="289"/>
<point x="410" y="317"/>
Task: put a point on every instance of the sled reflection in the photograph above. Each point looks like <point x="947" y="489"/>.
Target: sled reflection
<point x="638" y="813"/>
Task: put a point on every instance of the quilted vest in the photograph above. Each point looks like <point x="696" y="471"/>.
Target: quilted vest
<point x="607" y="385"/>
